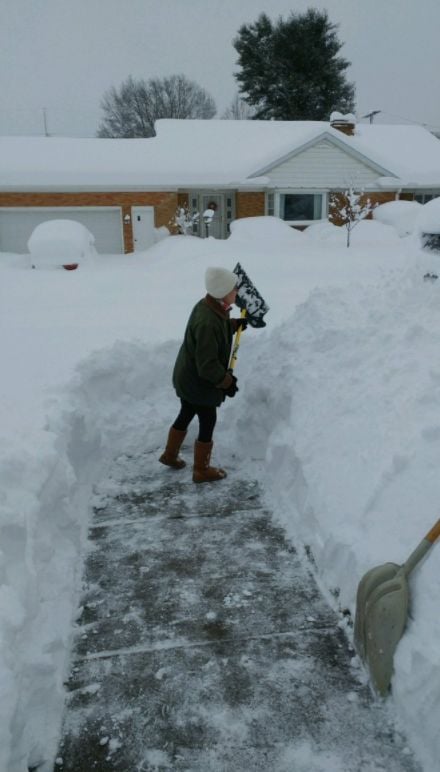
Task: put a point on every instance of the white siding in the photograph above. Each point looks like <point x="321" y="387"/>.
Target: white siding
<point x="323" y="166"/>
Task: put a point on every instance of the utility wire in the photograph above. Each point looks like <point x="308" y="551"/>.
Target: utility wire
<point x="410" y="120"/>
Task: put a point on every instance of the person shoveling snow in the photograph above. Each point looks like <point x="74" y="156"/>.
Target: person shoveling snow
<point x="203" y="373"/>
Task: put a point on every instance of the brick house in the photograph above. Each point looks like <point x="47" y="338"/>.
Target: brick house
<point x="123" y="190"/>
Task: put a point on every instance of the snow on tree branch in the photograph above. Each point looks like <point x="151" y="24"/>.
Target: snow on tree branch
<point x="184" y="220"/>
<point x="351" y="207"/>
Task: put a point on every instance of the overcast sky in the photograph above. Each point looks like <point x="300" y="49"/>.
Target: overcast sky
<point x="63" y="55"/>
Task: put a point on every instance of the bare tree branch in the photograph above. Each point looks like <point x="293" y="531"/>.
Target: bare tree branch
<point x="133" y="110"/>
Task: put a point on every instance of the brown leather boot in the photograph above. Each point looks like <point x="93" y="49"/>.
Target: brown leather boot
<point x="202" y="472"/>
<point x="170" y="456"/>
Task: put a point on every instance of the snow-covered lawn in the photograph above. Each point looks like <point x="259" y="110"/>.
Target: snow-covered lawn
<point x="339" y="395"/>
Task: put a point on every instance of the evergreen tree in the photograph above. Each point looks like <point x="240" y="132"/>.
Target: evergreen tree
<point x="132" y="110"/>
<point x="290" y="70"/>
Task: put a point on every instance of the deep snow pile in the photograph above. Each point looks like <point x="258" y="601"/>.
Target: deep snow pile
<point x="339" y="395"/>
<point x="352" y="456"/>
<point x="364" y="232"/>
<point x="270" y="230"/>
<point x="401" y="215"/>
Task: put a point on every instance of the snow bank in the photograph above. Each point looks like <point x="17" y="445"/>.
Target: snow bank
<point x="41" y="557"/>
<point x="365" y="232"/>
<point x="266" y="228"/>
<point x="161" y="233"/>
<point x="401" y="215"/>
<point x="350" y="437"/>
<point x="338" y="398"/>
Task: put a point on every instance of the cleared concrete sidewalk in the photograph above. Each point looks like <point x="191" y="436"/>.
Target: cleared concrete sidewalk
<point x="204" y="644"/>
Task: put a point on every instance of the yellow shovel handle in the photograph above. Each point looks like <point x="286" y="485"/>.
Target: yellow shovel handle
<point x="233" y="361"/>
<point x="434" y="533"/>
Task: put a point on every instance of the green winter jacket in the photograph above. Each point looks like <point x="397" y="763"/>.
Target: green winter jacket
<point x="200" y="373"/>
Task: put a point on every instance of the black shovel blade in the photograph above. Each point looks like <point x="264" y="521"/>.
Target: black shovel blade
<point x="249" y="298"/>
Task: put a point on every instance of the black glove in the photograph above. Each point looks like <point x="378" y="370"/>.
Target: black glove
<point x="232" y="389"/>
<point x="241" y="322"/>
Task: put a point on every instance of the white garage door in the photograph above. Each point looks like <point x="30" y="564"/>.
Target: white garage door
<point x="16" y="225"/>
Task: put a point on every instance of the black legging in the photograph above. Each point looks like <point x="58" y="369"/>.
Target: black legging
<point x="207" y="418"/>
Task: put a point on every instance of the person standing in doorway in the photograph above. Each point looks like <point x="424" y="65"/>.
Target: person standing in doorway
<point x="201" y="377"/>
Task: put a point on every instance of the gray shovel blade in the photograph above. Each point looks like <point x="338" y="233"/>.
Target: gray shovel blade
<point x="385" y="620"/>
<point x="369" y="582"/>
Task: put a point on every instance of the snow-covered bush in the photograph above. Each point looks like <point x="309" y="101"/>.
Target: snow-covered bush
<point x="184" y="220"/>
<point x="60" y="242"/>
<point x="428" y="225"/>
<point x="350" y="208"/>
<point x="402" y="215"/>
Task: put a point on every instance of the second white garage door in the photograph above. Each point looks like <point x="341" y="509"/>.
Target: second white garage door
<point x="105" y="223"/>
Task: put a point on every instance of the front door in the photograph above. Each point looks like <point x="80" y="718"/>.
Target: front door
<point x="143" y="227"/>
<point x="215" y="213"/>
<point x="212" y="224"/>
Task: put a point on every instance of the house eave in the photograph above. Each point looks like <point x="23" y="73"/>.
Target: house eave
<point x="70" y="188"/>
<point x="252" y="186"/>
<point x="174" y="187"/>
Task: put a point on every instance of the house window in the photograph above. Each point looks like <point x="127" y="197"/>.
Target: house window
<point x="423" y="198"/>
<point x="230" y="211"/>
<point x="296" y="207"/>
<point x="270" y="204"/>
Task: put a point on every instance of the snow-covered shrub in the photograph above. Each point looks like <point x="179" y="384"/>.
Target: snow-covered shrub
<point x="431" y="241"/>
<point x="264" y="229"/>
<point x="184" y="220"/>
<point x="401" y="215"/>
<point x="351" y="207"/>
<point x="60" y="242"/>
<point x="428" y="225"/>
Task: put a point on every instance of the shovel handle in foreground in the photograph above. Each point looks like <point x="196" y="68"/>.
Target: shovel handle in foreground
<point x="434" y="533"/>
<point x="422" y="549"/>
<point x="233" y="361"/>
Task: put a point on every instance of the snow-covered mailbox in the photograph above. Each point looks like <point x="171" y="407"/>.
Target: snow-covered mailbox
<point x="56" y="243"/>
<point x="428" y="225"/>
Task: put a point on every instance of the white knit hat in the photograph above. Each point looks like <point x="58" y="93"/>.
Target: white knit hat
<point x="219" y="282"/>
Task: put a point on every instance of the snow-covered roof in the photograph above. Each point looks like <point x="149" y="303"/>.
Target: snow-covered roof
<point x="214" y="153"/>
<point x="410" y="152"/>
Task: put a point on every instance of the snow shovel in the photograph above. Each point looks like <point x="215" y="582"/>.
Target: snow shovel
<point x="252" y="306"/>
<point x="249" y="299"/>
<point x="381" y="612"/>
